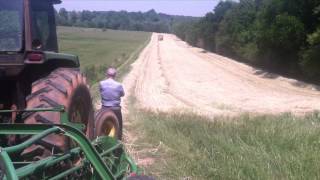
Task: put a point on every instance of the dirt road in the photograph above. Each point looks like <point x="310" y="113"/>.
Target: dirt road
<point x="172" y="76"/>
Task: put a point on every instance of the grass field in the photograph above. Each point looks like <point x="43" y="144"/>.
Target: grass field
<point x="267" y="147"/>
<point x="99" y="49"/>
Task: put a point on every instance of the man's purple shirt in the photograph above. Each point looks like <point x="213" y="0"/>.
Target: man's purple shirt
<point x="111" y="92"/>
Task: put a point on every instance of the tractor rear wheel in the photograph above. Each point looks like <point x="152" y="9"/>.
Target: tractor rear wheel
<point x="66" y="87"/>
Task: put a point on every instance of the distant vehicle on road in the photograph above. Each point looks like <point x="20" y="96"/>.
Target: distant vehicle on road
<point x="160" y="37"/>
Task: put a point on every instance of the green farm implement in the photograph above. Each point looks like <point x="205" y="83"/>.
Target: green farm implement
<point x="102" y="158"/>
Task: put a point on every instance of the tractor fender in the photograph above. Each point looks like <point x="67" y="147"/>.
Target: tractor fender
<point x="61" y="58"/>
<point x="49" y="57"/>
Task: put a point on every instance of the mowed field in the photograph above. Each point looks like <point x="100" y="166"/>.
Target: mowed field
<point x="171" y="75"/>
<point x="96" y="47"/>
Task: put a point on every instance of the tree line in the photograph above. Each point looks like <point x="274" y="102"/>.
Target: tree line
<point x="280" y="35"/>
<point x="150" y="21"/>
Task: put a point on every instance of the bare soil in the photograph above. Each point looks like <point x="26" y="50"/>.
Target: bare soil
<point x="170" y="76"/>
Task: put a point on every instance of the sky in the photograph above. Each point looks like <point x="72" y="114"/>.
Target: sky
<point x="173" y="7"/>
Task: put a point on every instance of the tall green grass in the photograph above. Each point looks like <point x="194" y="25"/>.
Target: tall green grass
<point x="264" y="147"/>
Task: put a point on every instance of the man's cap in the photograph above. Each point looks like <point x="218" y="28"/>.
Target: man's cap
<point x="111" y="72"/>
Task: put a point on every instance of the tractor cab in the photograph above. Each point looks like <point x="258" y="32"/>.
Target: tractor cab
<point x="27" y="25"/>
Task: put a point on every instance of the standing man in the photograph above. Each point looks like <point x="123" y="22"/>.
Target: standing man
<point x="111" y="92"/>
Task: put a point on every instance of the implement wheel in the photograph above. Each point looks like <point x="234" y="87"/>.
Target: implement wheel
<point x="107" y="124"/>
<point x="67" y="87"/>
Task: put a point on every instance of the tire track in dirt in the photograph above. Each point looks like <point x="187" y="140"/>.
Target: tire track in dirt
<point x="169" y="75"/>
<point x="147" y="82"/>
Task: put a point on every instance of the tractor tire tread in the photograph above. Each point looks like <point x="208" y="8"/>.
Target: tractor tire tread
<point x="58" y="87"/>
<point x="58" y="90"/>
<point x="38" y="92"/>
<point x="49" y="101"/>
<point x="27" y="114"/>
<point x="66" y="77"/>
<point x="42" y="120"/>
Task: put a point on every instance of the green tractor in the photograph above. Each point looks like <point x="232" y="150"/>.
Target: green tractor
<point x="47" y="126"/>
<point x="34" y="75"/>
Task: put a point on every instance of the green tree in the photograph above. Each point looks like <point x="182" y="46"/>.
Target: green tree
<point x="311" y="56"/>
<point x="280" y="42"/>
<point x="63" y="17"/>
<point x="236" y="36"/>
